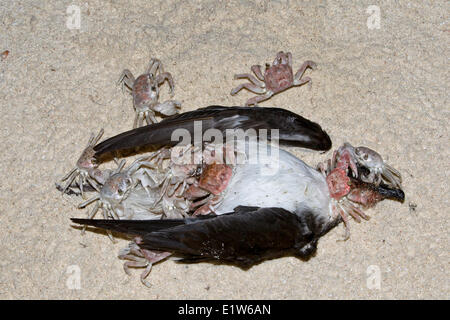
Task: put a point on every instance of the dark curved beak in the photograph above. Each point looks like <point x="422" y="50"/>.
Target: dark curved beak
<point x="391" y="193"/>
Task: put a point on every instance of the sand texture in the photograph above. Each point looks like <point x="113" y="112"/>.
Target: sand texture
<point x="386" y="88"/>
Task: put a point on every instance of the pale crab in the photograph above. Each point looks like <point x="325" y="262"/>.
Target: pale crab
<point x="156" y="189"/>
<point x="276" y="78"/>
<point x="349" y="194"/>
<point x="86" y="169"/>
<point x="118" y="187"/>
<point x="184" y="166"/>
<point x="145" y="92"/>
<point x="378" y="169"/>
<point x="140" y="258"/>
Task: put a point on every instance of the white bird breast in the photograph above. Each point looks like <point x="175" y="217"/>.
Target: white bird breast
<point x="277" y="179"/>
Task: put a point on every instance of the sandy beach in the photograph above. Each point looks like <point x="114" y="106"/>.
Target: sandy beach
<point x="382" y="81"/>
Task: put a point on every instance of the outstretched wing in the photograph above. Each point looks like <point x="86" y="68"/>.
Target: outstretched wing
<point x="293" y="129"/>
<point x="139" y="227"/>
<point x="245" y="237"/>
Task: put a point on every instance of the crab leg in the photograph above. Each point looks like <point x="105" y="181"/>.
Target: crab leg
<point x="136" y="120"/>
<point x="172" y="190"/>
<point x="94" y="211"/>
<point x="87" y="202"/>
<point x="250" y="87"/>
<point x="391" y="175"/>
<point x="257" y="99"/>
<point x="183" y="187"/>
<point x="349" y="210"/>
<point x="72" y="176"/>
<point x="257" y="70"/>
<point x="97" y="138"/>
<point x="69" y="174"/>
<point x="126" y="80"/>
<point x="93" y="183"/>
<point x="344" y="217"/>
<point x="307" y="64"/>
<point x="80" y="184"/>
<point x="108" y="232"/>
<point x="163" y="77"/>
<point x="152" y="258"/>
<point x="154" y="65"/>
<point x="150" y="117"/>
<point x="250" y="77"/>
<point x="303" y="81"/>
<point x="358" y="211"/>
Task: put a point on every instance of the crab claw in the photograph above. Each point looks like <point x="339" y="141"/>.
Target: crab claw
<point x="344" y="158"/>
<point x="391" y="176"/>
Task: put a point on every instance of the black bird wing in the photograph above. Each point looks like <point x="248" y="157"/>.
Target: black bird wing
<point x="245" y="237"/>
<point x="293" y="129"/>
<point x="139" y="227"/>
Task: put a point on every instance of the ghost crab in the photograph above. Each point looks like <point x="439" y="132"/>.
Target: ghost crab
<point x="86" y="168"/>
<point x="173" y="178"/>
<point x="140" y="258"/>
<point x="347" y="193"/>
<point x="340" y="186"/>
<point x="117" y="188"/>
<point x="378" y="170"/>
<point x="213" y="181"/>
<point x="145" y="92"/>
<point x="276" y="78"/>
<point x="217" y="169"/>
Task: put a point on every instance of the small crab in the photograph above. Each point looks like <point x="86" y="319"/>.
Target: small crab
<point x="116" y="189"/>
<point x="180" y="174"/>
<point x="378" y="169"/>
<point x="140" y="258"/>
<point x="276" y="78"/>
<point x="86" y="168"/>
<point x="340" y="186"/>
<point x="209" y="188"/>
<point x="145" y="92"/>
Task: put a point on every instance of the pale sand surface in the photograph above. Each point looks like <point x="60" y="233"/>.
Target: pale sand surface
<point x="384" y="88"/>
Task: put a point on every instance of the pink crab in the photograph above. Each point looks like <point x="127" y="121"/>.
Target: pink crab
<point x="145" y="92"/>
<point x="276" y="78"/>
<point x="212" y="182"/>
<point x="345" y="193"/>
